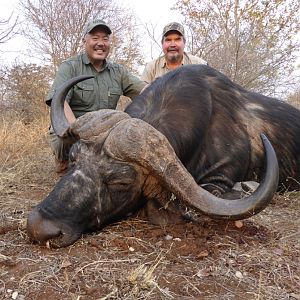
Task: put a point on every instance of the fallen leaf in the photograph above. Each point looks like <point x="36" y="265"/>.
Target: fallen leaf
<point x="66" y="263"/>
<point x="177" y="239"/>
<point x="203" y="253"/>
<point x="238" y="224"/>
<point x="203" y="273"/>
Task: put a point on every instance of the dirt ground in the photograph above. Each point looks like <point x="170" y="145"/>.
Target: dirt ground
<point x="132" y="259"/>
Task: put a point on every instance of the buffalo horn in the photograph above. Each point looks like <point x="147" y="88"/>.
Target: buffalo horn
<point x="139" y="142"/>
<point x="58" y="119"/>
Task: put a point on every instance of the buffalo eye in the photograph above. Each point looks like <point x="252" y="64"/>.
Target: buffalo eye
<point x="120" y="183"/>
<point x="125" y="177"/>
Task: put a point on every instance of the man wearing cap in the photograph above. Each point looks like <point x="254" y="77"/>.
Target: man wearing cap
<point x="173" y="43"/>
<point x="111" y="81"/>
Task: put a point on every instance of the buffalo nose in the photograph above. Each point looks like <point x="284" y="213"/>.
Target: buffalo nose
<point x="40" y="229"/>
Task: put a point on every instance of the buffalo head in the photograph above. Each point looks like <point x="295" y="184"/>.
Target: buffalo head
<point x="119" y="163"/>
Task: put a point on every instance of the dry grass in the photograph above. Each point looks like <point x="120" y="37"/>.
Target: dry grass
<point x="19" y="145"/>
<point x="133" y="259"/>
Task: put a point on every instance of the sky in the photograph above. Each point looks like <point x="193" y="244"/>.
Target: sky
<point x="149" y="12"/>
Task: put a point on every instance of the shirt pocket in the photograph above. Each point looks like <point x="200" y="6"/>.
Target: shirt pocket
<point x="113" y="97"/>
<point x="84" y="93"/>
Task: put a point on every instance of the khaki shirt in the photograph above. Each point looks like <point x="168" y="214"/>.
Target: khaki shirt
<point x="100" y="92"/>
<point x="158" y="67"/>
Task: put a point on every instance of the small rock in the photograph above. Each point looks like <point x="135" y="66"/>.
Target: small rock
<point x="168" y="237"/>
<point x="249" y="186"/>
<point x="14" y="295"/>
<point x="238" y="187"/>
<point x="239" y="275"/>
<point x="246" y="186"/>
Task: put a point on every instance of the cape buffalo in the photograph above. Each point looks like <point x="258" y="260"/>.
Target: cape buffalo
<point x="181" y="145"/>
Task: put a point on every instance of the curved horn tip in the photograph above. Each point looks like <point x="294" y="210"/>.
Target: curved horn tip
<point x="57" y="115"/>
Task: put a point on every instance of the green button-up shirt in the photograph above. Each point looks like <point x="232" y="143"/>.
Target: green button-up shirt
<point x="100" y="92"/>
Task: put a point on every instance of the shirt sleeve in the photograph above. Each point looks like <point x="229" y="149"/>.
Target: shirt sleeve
<point x="132" y="85"/>
<point x="63" y="74"/>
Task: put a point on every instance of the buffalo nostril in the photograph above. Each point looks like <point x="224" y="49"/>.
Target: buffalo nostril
<point x="55" y="234"/>
<point x="39" y="228"/>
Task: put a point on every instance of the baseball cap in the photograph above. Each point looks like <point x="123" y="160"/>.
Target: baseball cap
<point x="94" y="23"/>
<point x="173" y="26"/>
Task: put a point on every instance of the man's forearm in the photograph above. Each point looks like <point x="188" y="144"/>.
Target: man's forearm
<point x="69" y="113"/>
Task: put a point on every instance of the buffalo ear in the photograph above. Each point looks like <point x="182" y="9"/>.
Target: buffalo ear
<point x="160" y="215"/>
<point x="159" y="209"/>
<point x="138" y="142"/>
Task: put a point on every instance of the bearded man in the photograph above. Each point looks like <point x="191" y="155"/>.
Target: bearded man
<point x="173" y="44"/>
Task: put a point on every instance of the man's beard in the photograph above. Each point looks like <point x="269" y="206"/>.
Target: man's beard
<point x="173" y="57"/>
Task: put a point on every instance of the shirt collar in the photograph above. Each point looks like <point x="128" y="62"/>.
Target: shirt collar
<point x="87" y="61"/>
